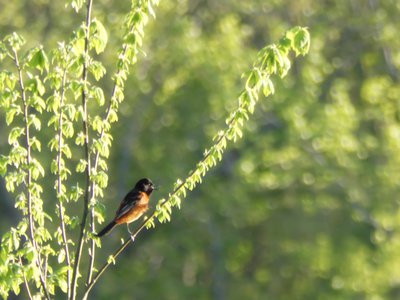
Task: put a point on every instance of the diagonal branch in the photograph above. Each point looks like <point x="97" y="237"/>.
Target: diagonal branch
<point x="176" y="191"/>
<point x="270" y="60"/>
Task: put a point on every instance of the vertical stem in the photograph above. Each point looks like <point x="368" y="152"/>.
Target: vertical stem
<point x="28" y="290"/>
<point x="90" y="185"/>
<point x="92" y="246"/>
<point x="87" y="157"/>
<point x="59" y="184"/>
<point x="29" y="175"/>
<point x="92" y="188"/>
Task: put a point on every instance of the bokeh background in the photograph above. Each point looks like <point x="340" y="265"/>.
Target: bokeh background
<point x="306" y="205"/>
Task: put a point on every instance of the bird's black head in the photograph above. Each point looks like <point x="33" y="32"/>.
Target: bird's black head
<point x="145" y="185"/>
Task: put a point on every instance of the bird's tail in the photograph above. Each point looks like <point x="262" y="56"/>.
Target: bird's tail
<point x="107" y="229"/>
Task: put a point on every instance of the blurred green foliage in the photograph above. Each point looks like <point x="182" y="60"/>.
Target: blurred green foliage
<point x="304" y="207"/>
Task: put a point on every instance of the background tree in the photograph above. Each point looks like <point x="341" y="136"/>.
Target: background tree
<point x="37" y="255"/>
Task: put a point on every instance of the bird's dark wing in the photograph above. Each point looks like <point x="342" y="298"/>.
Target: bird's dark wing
<point x="130" y="201"/>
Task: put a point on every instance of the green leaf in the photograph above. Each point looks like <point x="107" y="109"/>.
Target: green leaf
<point x="112" y="116"/>
<point x="98" y="36"/>
<point x="76" y="87"/>
<point x="62" y="283"/>
<point x="53" y="103"/>
<point x="35" y="121"/>
<point x="68" y="129"/>
<point x="80" y="139"/>
<point x="3" y="51"/>
<point x="77" y="4"/>
<point x="81" y="166"/>
<point x="111" y="259"/>
<point x="54" y="166"/>
<point x="35" y="144"/>
<point x="66" y="151"/>
<point x="284" y="66"/>
<point x="4" y="161"/>
<point x="15" y="284"/>
<point x="150" y="222"/>
<point x="99" y="210"/>
<point x="76" y="192"/>
<point x="38" y="103"/>
<point x="78" y="49"/>
<point x="101" y="178"/>
<point x="253" y="79"/>
<point x="97" y="124"/>
<point x="39" y="86"/>
<point x="53" y="120"/>
<point x="268" y="87"/>
<point x="35" y="85"/>
<point x="38" y="59"/>
<point x="102" y="164"/>
<point x="14" y="134"/>
<point x="37" y="170"/>
<point x="54" y="80"/>
<point x="301" y="42"/>
<point x="150" y="9"/>
<point x="98" y="94"/>
<point x="53" y="144"/>
<point x="97" y="70"/>
<point x="61" y="256"/>
<point x="71" y="111"/>
<point x="10" y="115"/>
<point x="14" y="40"/>
<point x="102" y="147"/>
<point x="15" y="238"/>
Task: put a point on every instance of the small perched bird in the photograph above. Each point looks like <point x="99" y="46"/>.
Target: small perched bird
<point x="133" y="206"/>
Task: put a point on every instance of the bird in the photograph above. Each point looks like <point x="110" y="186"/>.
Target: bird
<point x="132" y="206"/>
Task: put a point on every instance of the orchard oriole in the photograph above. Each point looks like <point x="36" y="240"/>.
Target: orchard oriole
<point x="133" y="206"/>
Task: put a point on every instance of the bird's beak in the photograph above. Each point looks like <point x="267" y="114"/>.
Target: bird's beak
<point x="155" y="187"/>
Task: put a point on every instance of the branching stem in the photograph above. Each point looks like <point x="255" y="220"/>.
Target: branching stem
<point x="29" y="174"/>
<point x="87" y="157"/>
<point x="59" y="183"/>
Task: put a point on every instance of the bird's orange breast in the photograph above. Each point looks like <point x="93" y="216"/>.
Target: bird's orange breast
<point x="135" y="212"/>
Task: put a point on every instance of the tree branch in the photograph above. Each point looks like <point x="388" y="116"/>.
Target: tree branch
<point x="29" y="174"/>
<point x="87" y="157"/>
<point x="270" y="60"/>
<point x="59" y="183"/>
<point x="28" y="290"/>
<point x="116" y="253"/>
<point x="113" y="100"/>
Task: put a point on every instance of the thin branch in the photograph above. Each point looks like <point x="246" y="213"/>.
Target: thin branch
<point x="28" y="290"/>
<point x="29" y="174"/>
<point x="247" y="100"/>
<point x="87" y="157"/>
<point x="116" y="253"/>
<point x="97" y="157"/>
<point x="108" y="111"/>
<point x="59" y="183"/>
<point x="112" y="257"/>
